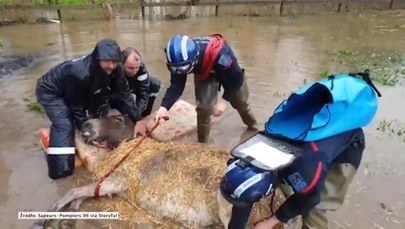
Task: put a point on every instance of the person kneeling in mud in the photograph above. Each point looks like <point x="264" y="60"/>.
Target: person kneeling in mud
<point x="321" y="153"/>
<point x="76" y="90"/>
<point x="142" y="85"/>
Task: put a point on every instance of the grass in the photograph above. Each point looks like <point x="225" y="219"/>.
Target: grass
<point x="33" y="106"/>
<point x="20" y="16"/>
<point x="392" y="128"/>
<point x="279" y="94"/>
<point x="387" y="68"/>
<point x="60" y="1"/>
<point x="324" y="73"/>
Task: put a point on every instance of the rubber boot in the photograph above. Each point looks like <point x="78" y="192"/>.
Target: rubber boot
<point x="249" y="119"/>
<point x="149" y="106"/>
<point x="240" y="102"/>
<point x="206" y="93"/>
<point x="203" y="124"/>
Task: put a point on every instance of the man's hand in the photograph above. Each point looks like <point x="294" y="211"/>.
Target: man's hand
<point x="139" y="129"/>
<point x="267" y="224"/>
<point x="161" y="115"/>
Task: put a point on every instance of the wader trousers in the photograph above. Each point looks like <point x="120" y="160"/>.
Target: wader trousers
<point x="340" y="174"/>
<point x="206" y="94"/>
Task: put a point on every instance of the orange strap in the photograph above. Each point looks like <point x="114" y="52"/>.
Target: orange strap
<point x="211" y="52"/>
<point x="44" y="138"/>
<point x="98" y="185"/>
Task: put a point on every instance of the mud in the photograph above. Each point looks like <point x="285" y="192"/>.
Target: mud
<point x="279" y="54"/>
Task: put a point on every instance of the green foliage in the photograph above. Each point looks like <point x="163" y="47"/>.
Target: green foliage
<point x="60" y="1"/>
<point x="387" y="68"/>
<point x="33" y="106"/>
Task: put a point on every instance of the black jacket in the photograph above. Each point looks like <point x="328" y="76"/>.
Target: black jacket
<point x="139" y="85"/>
<point x="85" y="86"/>
<point x="226" y="70"/>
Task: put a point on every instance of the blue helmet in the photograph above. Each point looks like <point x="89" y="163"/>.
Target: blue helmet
<point x="181" y="54"/>
<point x="245" y="184"/>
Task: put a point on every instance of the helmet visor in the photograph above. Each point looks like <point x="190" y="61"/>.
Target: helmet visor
<point x="182" y="69"/>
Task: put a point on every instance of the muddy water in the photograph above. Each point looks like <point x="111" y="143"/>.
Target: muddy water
<point x="279" y="54"/>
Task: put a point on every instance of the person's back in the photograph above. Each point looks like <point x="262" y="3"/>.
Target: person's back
<point x="225" y="67"/>
<point x="54" y="80"/>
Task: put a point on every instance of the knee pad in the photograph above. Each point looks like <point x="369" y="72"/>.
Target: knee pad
<point x="154" y="85"/>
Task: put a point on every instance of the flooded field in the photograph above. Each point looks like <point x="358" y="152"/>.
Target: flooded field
<point x="279" y="54"/>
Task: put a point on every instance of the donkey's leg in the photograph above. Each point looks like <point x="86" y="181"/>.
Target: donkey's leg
<point x="60" y="223"/>
<point x="74" y="197"/>
<point x="225" y="209"/>
<point x="108" y="187"/>
<point x="66" y="223"/>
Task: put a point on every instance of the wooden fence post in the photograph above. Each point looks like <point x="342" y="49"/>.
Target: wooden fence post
<point x="216" y="9"/>
<point x="392" y="2"/>
<point x="281" y="8"/>
<point x="58" y="11"/>
<point x="143" y="9"/>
